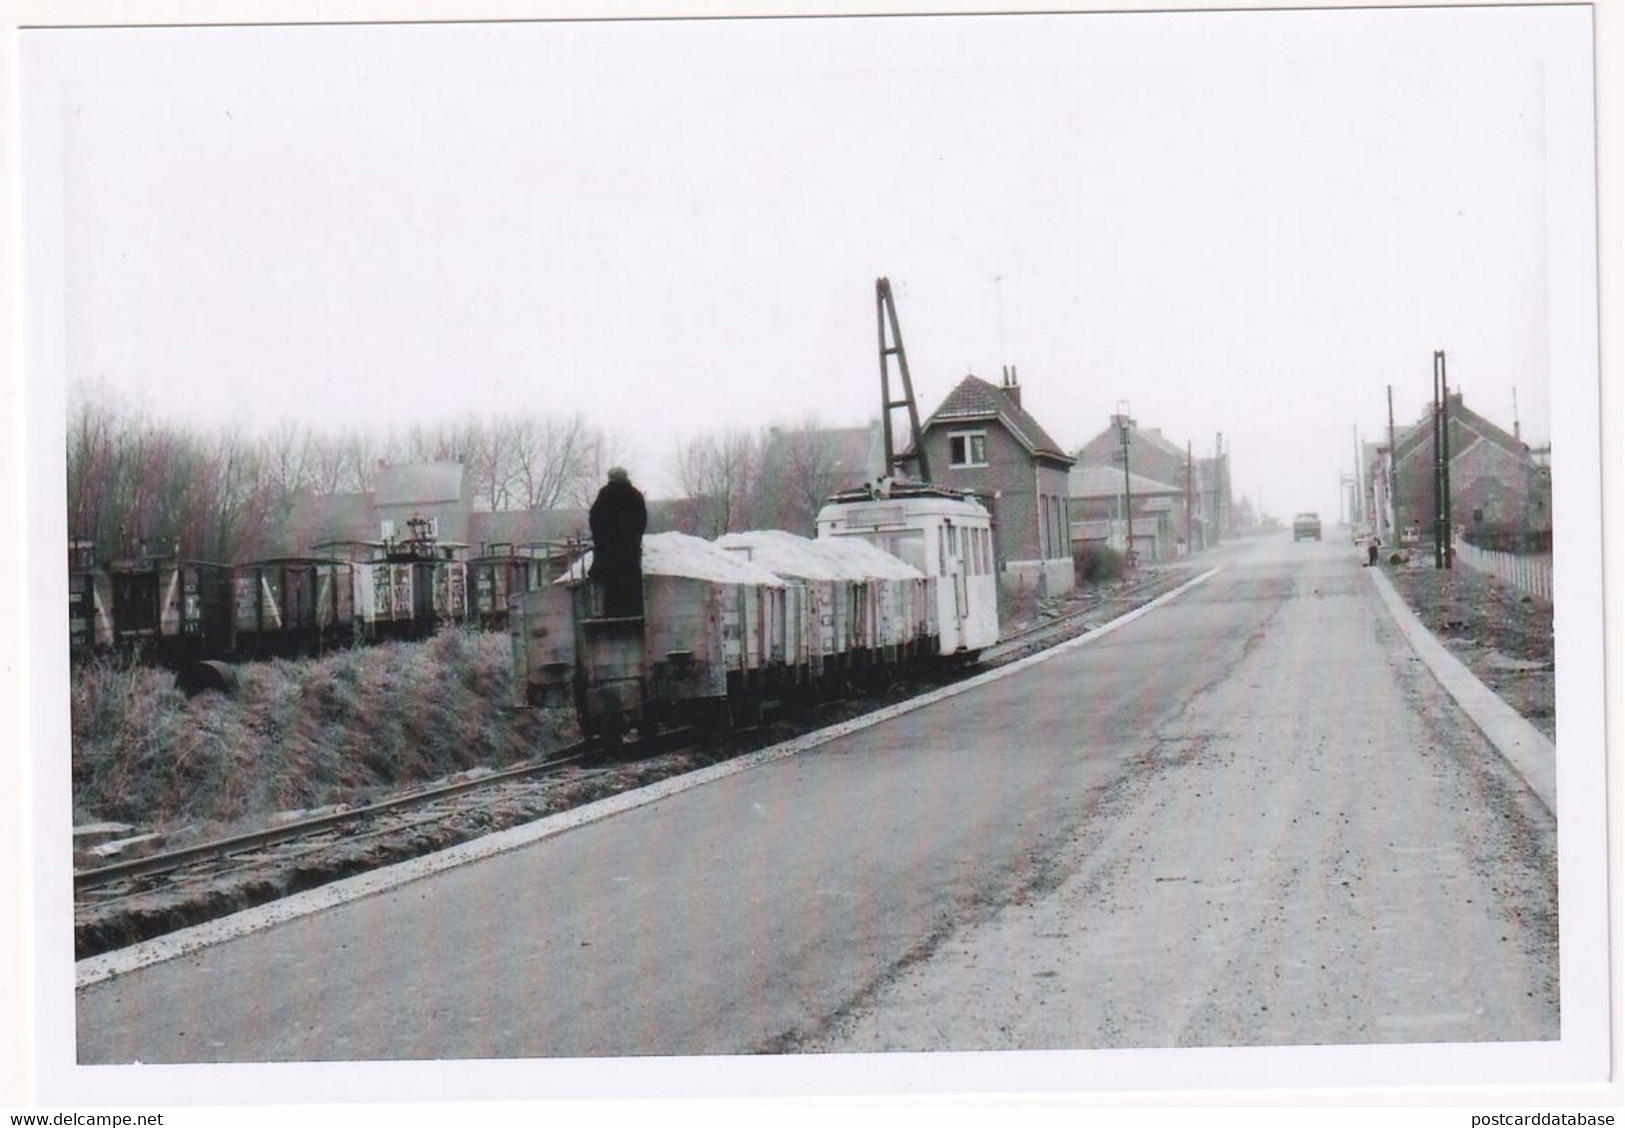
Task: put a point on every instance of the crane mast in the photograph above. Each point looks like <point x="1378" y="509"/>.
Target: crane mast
<point x="886" y="324"/>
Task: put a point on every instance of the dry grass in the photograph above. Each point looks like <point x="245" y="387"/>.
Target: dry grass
<point x="294" y="733"/>
<point x="1484" y="621"/>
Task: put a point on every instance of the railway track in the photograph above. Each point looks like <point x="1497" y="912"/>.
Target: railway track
<point x="171" y="860"/>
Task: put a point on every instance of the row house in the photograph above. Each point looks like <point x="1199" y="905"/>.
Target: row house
<point x="1497" y="485"/>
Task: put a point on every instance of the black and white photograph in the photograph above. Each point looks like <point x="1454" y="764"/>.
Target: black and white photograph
<point x="845" y="553"/>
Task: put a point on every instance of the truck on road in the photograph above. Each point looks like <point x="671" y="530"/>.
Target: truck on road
<point x="1305" y="526"/>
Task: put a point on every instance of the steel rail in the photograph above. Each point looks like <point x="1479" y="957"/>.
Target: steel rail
<point x="270" y="836"/>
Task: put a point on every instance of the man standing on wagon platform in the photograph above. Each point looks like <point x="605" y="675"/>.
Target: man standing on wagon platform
<point x="618" y="518"/>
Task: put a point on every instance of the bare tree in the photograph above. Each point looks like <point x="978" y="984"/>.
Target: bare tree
<point x="799" y="471"/>
<point x="556" y="460"/>
<point x="327" y="463"/>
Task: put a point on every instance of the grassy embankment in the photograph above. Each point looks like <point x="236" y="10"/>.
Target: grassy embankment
<point x="294" y="734"/>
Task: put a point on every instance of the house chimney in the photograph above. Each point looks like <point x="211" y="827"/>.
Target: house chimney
<point x="1011" y="388"/>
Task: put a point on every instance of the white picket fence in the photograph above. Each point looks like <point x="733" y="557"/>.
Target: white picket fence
<point x="1532" y="574"/>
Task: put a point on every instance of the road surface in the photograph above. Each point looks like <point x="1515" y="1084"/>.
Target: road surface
<point x="1249" y="817"/>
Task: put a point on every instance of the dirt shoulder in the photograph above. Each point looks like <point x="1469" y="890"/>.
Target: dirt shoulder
<point x="1501" y="634"/>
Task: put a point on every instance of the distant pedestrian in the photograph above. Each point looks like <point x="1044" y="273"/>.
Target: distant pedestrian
<point x="1371" y="547"/>
<point x="618" y="518"/>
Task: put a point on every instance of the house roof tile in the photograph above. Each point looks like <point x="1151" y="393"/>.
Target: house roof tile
<point x="1107" y="481"/>
<point x="974" y="398"/>
<point x="418" y="483"/>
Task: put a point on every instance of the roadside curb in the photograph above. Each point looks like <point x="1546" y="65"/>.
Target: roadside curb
<point x="186" y="941"/>
<point x="1525" y="747"/>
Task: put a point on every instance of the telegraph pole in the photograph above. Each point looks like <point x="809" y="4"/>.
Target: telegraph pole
<point x="1124" y="423"/>
<point x="1444" y="438"/>
<point x="1393" y="469"/>
<point x="1190" y="499"/>
<point x="1357" y="507"/>
<point x="1442" y="555"/>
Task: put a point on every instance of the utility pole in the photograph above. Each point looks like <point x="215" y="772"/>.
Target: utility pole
<point x="1442" y="554"/>
<point x="1124" y="423"/>
<point x="1393" y="469"/>
<point x="1218" y="486"/>
<point x="1190" y="499"/>
<point x="1357" y="509"/>
<point x="1444" y="438"/>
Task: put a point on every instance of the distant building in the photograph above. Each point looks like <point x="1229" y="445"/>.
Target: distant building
<point x="1496" y="483"/>
<point x="1098" y="508"/>
<point x="440" y="492"/>
<point x="1201" y="506"/>
<point x="982" y="440"/>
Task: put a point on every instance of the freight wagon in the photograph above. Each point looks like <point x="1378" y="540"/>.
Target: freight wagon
<point x="166" y="607"/>
<point x="175" y="610"/>
<point x="292" y="605"/>
<point x="498" y="573"/>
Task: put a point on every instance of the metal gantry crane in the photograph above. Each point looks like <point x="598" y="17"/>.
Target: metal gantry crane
<point x="886" y="319"/>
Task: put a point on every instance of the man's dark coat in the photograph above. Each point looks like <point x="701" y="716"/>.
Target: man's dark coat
<point x="618" y="519"/>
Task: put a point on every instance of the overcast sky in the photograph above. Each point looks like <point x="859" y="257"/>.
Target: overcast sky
<point x="1246" y="223"/>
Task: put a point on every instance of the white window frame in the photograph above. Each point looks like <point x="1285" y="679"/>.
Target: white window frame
<point x="971" y="462"/>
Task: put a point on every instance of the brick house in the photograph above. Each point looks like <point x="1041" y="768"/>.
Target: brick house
<point x="1496" y="484"/>
<point x="982" y="440"/>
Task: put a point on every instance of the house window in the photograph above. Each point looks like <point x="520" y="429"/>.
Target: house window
<point x="967" y="448"/>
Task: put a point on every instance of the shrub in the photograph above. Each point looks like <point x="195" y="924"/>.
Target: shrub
<point x="1096" y="563"/>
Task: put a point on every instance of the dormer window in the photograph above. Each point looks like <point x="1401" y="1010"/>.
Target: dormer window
<point x="967" y="448"/>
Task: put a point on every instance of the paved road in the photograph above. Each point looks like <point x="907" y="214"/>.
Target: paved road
<point x="1249" y="817"/>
